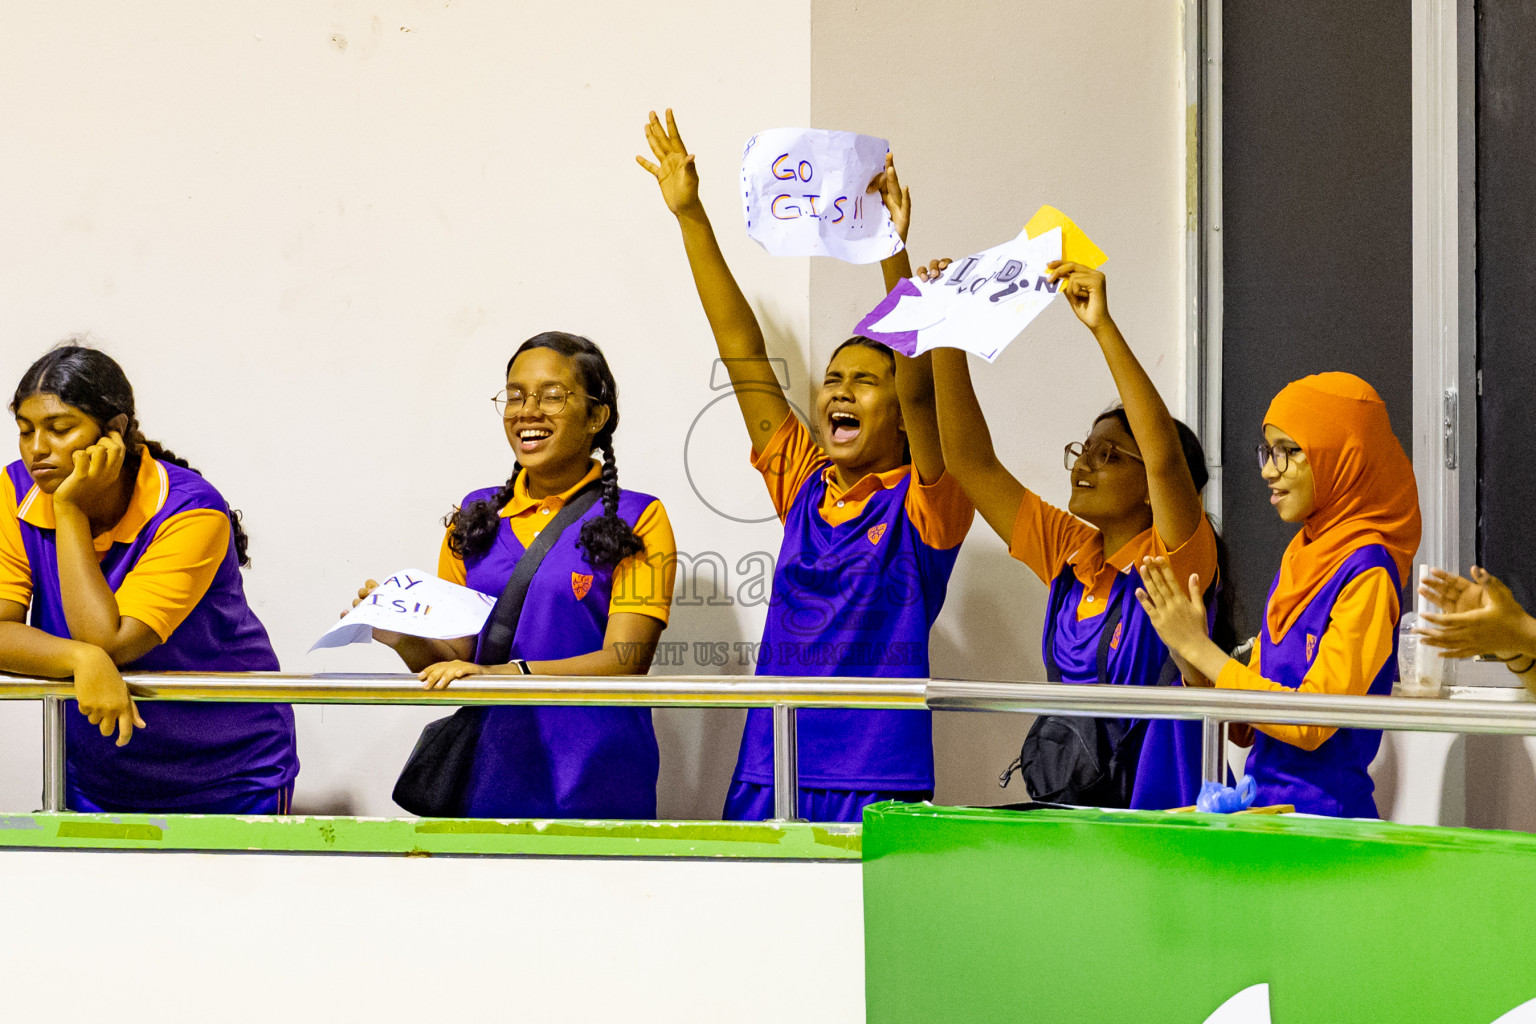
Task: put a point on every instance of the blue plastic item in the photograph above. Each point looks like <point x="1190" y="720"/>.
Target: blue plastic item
<point x="1218" y="799"/>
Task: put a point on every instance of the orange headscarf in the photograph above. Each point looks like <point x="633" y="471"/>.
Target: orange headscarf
<point x="1364" y="486"/>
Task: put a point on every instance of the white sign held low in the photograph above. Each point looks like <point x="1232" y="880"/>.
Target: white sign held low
<point x="803" y="193"/>
<point x="415" y="603"/>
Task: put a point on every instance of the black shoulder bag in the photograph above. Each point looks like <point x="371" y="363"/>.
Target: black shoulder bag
<point x="1086" y="761"/>
<point x="435" y="780"/>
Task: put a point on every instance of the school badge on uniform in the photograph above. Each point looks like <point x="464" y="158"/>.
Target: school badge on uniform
<point x="1311" y="647"/>
<point x="874" y="533"/>
<point x="580" y="584"/>
<point x="1114" y="641"/>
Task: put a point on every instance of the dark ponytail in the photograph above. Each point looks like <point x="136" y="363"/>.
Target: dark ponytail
<point x="1224" y="628"/>
<point x="92" y="381"/>
<point x="606" y="540"/>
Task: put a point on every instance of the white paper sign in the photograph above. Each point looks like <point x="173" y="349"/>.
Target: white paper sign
<point x="803" y="191"/>
<point x="980" y="303"/>
<point x="415" y="603"/>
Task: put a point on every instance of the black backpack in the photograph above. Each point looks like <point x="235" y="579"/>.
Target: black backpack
<point x="1087" y="761"/>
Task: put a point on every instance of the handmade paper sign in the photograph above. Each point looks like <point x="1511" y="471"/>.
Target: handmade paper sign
<point x="983" y="302"/>
<point x="803" y="191"/>
<point x="415" y="603"/>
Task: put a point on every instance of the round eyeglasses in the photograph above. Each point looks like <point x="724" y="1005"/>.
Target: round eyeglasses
<point x="550" y="398"/>
<point x="1280" y="454"/>
<point x="1096" y="455"/>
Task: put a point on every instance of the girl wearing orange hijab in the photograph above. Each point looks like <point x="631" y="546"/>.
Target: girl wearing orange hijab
<point x="1333" y="465"/>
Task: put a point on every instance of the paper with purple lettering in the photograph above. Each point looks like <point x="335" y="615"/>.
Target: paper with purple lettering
<point x="415" y="603"/>
<point x="803" y="193"/>
<point x="981" y="303"/>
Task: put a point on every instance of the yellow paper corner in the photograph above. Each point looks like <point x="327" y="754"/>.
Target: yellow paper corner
<point x="1076" y="247"/>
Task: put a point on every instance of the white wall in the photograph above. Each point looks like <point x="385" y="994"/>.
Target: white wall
<point x="255" y="938"/>
<point x="314" y="233"/>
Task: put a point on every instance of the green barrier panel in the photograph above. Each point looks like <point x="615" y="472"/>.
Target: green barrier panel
<point x="1063" y="916"/>
<point x="422" y="837"/>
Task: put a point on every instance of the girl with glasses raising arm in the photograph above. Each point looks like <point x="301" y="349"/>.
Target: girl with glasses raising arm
<point x="1136" y="484"/>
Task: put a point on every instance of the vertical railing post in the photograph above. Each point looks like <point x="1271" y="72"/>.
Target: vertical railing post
<point x="786" y="764"/>
<point x="53" y="754"/>
<point x="1213" y="750"/>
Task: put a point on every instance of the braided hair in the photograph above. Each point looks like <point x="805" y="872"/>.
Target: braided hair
<point x="92" y="381"/>
<point x="1224" y="630"/>
<point x="605" y="540"/>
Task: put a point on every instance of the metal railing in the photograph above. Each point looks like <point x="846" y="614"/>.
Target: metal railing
<point x="1463" y="709"/>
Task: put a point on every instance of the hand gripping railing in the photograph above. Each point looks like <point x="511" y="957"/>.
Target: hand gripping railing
<point x="1463" y="709"/>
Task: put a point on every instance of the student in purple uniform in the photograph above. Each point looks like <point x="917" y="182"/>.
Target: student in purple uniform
<point x="114" y="552"/>
<point x="596" y="607"/>
<point x="870" y="532"/>
<point x="1136" y="485"/>
<point x="1334" y="466"/>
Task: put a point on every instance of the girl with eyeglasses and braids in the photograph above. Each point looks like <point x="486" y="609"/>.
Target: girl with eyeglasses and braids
<point x="1136" y="483"/>
<point x="1334" y="467"/>
<point x="596" y="607"/>
<point x="116" y="553"/>
<point x="872" y="526"/>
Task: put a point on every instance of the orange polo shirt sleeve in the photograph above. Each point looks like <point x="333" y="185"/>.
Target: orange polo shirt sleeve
<point x="643" y="582"/>
<point x="1195" y="557"/>
<point x="15" y="570"/>
<point x="1044" y="536"/>
<point x="940" y="511"/>
<point x="1350" y="654"/>
<point x="176" y="570"/>
<point x="450" y="566"/>
<point x="787" y="462"/>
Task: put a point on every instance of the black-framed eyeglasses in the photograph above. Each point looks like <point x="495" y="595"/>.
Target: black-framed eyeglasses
<point x="551" y="399"/>
<point x="1096" y="455"/>
<point x="1280" y="454"/>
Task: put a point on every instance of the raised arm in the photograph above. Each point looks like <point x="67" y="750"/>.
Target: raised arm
<point x="914" y="377"/>
<point x="1176" y="508"/>
<point x="737" y="333"/>
<point x="967" y="444"/>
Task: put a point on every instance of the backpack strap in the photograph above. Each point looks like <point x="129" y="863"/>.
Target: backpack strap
<point x="497" y="646"/>
<point x="1061" y="586"/>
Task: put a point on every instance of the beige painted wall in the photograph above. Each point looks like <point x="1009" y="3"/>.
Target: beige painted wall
<point x="993" y="108"/>
<point x="313" y="234"/>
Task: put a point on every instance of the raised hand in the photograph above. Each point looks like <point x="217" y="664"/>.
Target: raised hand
<point x="1085" y="292"/>
<point x="674" y="168"/>
<point x="932" y="269"/>
<point x="1482" y="617"/>
<point x="897" y="200"/>
<point x="96" y="470"/>
<point x="1178" y="617"/>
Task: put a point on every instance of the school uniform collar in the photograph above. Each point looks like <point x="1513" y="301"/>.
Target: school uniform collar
<point x="866" y="485"/>
<point x="522" y="501"/>
<point x="1089" y="562"/>
<point x="150" y="490"/>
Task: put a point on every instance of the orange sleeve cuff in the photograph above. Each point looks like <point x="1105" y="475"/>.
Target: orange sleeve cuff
<point x="940" y="511"/>
<point x="1196" y="556"/>
<point x="175" y="571"/>
<point x="787" y="462"/>
<point x="643" y="582"/>
<point x="15" y="570"/>
<point x="1044" y="536"/>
